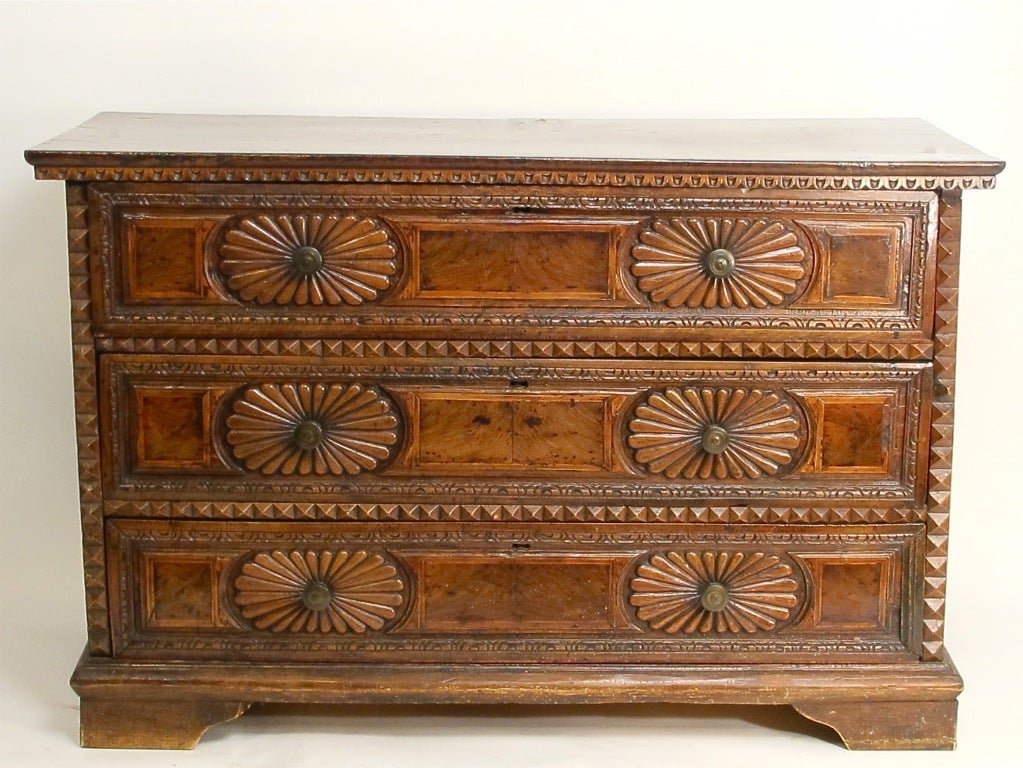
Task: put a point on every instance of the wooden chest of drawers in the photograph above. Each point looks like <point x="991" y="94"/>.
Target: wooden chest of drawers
<point x="513" y="411"/>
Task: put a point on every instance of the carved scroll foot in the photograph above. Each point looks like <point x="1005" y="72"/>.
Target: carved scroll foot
<point x="888" y="724"/>
<point x="151" y="723"/>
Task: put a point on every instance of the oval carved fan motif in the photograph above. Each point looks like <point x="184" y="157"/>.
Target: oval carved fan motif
<point x="719" y="262"/>
<point x="312" y="429"/>
<point x="714" y="592"/>
<point x="306" y="259"/>
<point x="716" y="432"/>
<point x="319" y="591"/>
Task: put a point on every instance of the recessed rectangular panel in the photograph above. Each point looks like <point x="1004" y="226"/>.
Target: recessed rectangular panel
<point x="863" y="262"/>
<point x="180" y="592"/>
<point x="851" y="594"/>
<point x="523" y="261"/>
<point x="852" y="591"/>
<point x="477" y="595"/>
<point x="165" y="259"/>
<point x="539" y="432"/>
<point x="852" y="435"/>
<point x="171" y="428"/>
<point x="465" y="431"/>
<point x="560" y="433"/>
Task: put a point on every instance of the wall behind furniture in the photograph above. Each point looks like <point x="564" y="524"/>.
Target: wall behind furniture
<point x="957" y="64"/>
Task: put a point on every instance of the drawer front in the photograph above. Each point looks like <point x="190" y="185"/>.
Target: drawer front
<point x="180" y="427"/>
<point x="313" y="591"/>
<point x="220" y="261"/>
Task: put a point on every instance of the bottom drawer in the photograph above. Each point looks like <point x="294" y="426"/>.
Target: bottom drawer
<point x="513" y="592"/>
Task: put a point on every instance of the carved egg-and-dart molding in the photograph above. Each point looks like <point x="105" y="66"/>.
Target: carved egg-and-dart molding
<point x="308" y="259"/>
<point x="312" y="429"/>
<point x="716" y="432"/>
<point x="713" y="592"/>
<point x="719" y="262"/>
<point x="319" y="591"/>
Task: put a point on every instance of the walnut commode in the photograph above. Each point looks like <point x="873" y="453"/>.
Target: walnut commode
<point x="513" y="411"/>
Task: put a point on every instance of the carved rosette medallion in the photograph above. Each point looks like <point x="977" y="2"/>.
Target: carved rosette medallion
<point x="714" y="592"/>
<point x="319" y="591"/>
<point x="719" y="262"/>
<point x="717" y="432"/>
<point x="306" y="259"/>
<point x="312" y="429"/>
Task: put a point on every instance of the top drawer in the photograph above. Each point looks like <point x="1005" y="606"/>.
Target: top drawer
<point x="516" y="264"/>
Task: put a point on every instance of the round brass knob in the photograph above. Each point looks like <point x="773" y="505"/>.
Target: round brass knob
<point x="715" y="439"/>
<point x="308" y="435"/>
<point x="714" y="597"/>
<point x="307" y="259"/>
<point x="316" y="596"/>
<point x="720" y="262"/>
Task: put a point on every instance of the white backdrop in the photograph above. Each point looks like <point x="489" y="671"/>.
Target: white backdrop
<point x="955" y="63"/>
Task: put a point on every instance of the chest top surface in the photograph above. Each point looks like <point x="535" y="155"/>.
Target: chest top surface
<point x="817" y="146"/>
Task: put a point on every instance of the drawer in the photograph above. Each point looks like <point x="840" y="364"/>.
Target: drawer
<point x="208" y="261"/>
<point x="193" y="427"/>
<point x="386" y="591"/>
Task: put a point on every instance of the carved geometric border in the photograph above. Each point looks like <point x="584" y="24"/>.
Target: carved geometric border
<point x="385" y="348"/>
<point x="520" y="176"/>
<point x="939" y="482"/>
<point x="87" y="423"/>
<point x="584" y="513"/>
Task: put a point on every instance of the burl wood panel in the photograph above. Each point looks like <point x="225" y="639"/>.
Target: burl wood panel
<point x="494" y="595"/>
<point x="165" y="259"/>
<point x="498" y="432"/>
<point x="855" y="591"/>
<point x="860" y="261"/>
<point x="518" y="262"/>
<point x="172" y="428"/>
<point x="853" y="434"/>
<point x="181" y="592"/>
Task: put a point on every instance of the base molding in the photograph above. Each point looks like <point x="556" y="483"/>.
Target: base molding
<point x="169" y="705"/>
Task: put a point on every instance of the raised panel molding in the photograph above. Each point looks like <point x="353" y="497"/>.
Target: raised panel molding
<point x="377" y="588"/>
<point x="388" y="309"/>
<point x="502" y="431"/>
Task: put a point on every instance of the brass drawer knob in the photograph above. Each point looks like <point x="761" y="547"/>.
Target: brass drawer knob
<point x="307" y="259"/>
<point x="715" y="439"/>
<point x="308" y="435"/>
<point x="720" y="262"/>
<point x="317" y="596"/>
<point x="714" y="597"/>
